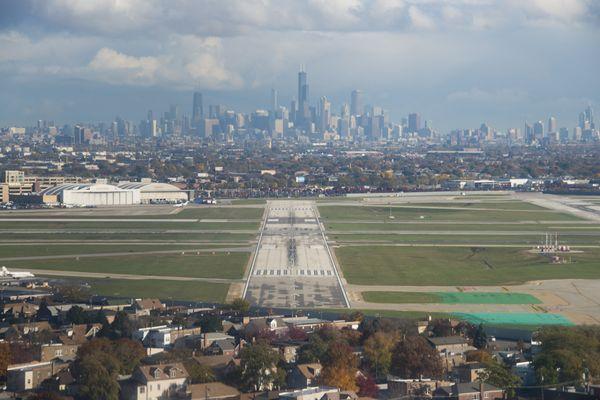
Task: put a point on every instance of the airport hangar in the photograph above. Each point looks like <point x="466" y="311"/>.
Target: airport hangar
<point x="101" y="194"/>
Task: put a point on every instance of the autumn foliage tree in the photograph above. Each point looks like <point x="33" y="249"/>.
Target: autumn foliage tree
<point x="413" y="357"/>
<point x="378" y="352"/>
<point x="340" y="366"/>
<point x="5" y="359"/>
<point x="367" y="387"/>
<point x="100" y="361"/>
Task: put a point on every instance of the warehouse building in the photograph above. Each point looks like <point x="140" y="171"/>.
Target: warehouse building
<point x="156" y="193"/>
<point x="98" y="194"/>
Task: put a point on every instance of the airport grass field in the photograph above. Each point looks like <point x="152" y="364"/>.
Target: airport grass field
<point x="184" y="245"/>
<point x="162" y="289"/>
<point x="385" y="246"/>
<point x="386" y="265"/>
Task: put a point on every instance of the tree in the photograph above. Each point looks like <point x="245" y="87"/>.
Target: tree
<point x="121" y="355"/>
<point x="355" y="316"/>
<point x="121" y="326"/>
<point x="5" y="359"/>
<point x="567" y="354"/>
<point x="413" y="357"/>
<point x="378" y="352"/>
<point x="95" y="380"/>
<point x="313" y="351"/>
<point x="481" y="356"/>
<point x="480" y="337"/>
<point x="441" y="327"/>
<point x="367" y="387"/>
<point x="500" y="376"/>
<point x="199" y="373"/>
<point x="43" y="313"/>
<point x="241" y="305"/>
<point x="76" y="315"/>
<point x="258" y="364"/>
<point x="211" y="323"/>
<point x="295" y="333"/>
<point x="73" y="294"/>
<point x="340" y="366"/>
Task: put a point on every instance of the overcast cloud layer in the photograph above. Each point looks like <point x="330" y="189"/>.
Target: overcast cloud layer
<point x="458" y="62"/>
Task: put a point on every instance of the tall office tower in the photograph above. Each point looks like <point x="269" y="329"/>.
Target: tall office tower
<point x="344" y="122"/>
<point x="563" y="135"/>
<point x="324" y="114"/>
<point x="538" y="130"/>
<point x="552" y="126"/>
<point x="302" y="87"/>
<point x="216" y="110"/>
<point x="274" y="100"/>
<point x="197" y="110"/>
<point x="303" y="114"/>
<point x="414" y="122"/>
<point x="589" y="115"/>
<point x="356" y="102"/>
<point x="78" y="134"/>
<point x="174" y="113"/>
<point x="528" y="133"/>
<point x="153" y="128"/>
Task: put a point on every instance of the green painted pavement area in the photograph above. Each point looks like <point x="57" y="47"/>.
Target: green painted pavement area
<point x="450" y="297"/>
<point x="530" y="319"/>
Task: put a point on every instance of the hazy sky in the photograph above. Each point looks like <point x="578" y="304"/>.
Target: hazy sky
<point x="457" y="62"/>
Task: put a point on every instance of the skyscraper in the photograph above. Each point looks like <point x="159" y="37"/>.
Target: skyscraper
<point x="302" y="88"/>
<point x="552" y="125"/>
<point x="538" y="130"/>
<point x="274" y="100"/>
<point x="303" y="114"/>
<point x="528" y="133"/>
<point x="414" y="122"/>
<point x="324" y="114"/>
<point x="356" y="106"/>
<point x="197" y="110"/>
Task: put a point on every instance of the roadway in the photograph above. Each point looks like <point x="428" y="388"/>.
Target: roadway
<point x="293" y="266"/>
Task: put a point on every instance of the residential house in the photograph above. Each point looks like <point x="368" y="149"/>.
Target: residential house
<point x="207" y="338"/>
<point x="52" y="351"/>
<point x="220" y="364"/>
<point x="401" y="388"/>
<point x="469" y="391"/>
<point x="29" y="376"/>
<point x="452" y="349"/>
<point x="163" y="336"/>
<point x="304" y="375"/>
<point x="312" y="393"/>
<point x="468" y="372"/>
<point x="271" y="324"/>
<point x="213" y="391"/>
<point x="23" y="309"/>
<point x="62" y="382"/>
<point x="145" y="306"/>
<point x="156" y="382"/>
<point x="226" y="347"/>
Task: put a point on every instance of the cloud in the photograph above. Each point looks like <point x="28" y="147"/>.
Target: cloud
<point x="115" y="67"/>
<point x="190" y="63"/>
<point x="239" y="17"/>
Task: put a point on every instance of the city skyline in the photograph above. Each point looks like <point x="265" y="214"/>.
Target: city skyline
<point x="500" y="63"/>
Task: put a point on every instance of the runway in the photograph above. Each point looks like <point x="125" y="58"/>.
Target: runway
<point x="293" y="266"/>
